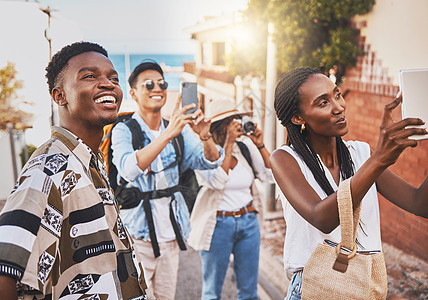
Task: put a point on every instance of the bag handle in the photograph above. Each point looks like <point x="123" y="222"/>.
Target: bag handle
<point x="349" y="219"/>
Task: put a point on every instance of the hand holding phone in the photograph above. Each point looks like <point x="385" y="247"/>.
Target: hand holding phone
<point x="414" y="88"/>
<point x="189" y="95"/>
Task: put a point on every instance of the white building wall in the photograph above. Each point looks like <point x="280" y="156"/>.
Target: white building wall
<point x="7" y="178"/>
<point x="397" y="32"/>
<point x="23" y="43"/>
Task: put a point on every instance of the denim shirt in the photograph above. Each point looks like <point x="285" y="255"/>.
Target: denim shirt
<point x="125" y="159"/>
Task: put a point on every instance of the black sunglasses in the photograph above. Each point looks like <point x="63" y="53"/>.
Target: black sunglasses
<point x="150" y="84"/>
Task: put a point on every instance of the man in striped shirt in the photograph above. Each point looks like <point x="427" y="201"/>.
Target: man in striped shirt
<point x="60" y="231"/>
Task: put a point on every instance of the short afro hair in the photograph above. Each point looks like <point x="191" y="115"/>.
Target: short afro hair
<point x="60" y="60"/>
<point x="144" y="66"/>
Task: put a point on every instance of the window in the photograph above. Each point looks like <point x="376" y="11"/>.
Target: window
<point x="219" y="51"/>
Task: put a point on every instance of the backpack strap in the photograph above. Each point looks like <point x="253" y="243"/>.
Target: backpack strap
<point x="246" y="153"/>
<point x="178" y="143"/>
<point x="138" y="136"/>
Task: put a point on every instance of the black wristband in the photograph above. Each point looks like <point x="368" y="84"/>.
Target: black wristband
<point x="261" y="147"/>
<point x="207" y="138"/>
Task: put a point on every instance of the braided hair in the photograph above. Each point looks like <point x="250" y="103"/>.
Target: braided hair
<point x="287" y="104"/>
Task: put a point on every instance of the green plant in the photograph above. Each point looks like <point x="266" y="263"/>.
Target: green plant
<point x="9" y="100"/>
<point x="314" y="33"/>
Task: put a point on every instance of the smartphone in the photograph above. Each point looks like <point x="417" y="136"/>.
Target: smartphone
<point x="414" y="89"/>
<point x="189" y="95"/>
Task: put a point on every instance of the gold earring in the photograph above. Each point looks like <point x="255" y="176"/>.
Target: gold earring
<point x="302" y="128"/>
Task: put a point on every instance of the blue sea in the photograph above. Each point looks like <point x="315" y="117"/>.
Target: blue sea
<point x="171" y="60"/>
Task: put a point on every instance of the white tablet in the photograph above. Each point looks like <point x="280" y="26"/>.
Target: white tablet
<point x="414" y="88"/>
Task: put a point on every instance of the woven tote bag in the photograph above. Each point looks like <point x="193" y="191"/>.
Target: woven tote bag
<point x="339" y="271"/>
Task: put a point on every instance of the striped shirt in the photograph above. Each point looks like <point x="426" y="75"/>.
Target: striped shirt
<point x="60" y="231"/>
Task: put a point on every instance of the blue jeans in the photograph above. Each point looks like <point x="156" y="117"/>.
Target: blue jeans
<point x="240" y="236"/>
<point x="295" y="288"/>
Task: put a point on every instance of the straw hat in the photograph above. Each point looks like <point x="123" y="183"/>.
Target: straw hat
<point x="218" y="110"/>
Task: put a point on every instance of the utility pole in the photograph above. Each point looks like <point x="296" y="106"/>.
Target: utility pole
<point x="12" y="151"/>
<point x="270" y="118"/>
<point x="48" y="37"/>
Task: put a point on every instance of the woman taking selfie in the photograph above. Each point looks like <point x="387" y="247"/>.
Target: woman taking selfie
<point x="315" y="160"/>
<point x="224" y="219"/>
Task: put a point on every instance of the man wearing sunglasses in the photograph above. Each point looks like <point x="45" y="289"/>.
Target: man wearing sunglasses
<point x="160" y="224"/>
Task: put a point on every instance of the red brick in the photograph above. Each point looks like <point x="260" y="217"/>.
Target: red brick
<point x="365" y="105"/>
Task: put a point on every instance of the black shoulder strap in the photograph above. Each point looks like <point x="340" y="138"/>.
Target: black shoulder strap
<point x="137" y="134"/>
<point x="178" y="143"/>
<point x="246" y="153"/>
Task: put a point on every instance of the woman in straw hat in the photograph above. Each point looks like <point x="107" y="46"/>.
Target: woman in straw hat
<point x="316" y="159"/>
<point x="224" y="219"/>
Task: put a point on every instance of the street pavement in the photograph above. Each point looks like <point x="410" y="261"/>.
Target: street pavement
<point x="189" y="282"/>
<point x="272" y="281"/>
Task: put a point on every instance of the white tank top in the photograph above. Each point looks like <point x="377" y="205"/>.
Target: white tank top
<point x="301" y="238"/>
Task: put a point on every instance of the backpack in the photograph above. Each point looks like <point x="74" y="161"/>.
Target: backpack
<point x="105" y="147"/>
<point x="188" y="184"/>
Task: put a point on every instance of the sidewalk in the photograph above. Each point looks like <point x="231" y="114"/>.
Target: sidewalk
<point x="272" y="277"/>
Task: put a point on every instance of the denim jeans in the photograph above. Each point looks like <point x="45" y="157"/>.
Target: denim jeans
<point x="240" y="236"/>
<point x="295" y="288"/>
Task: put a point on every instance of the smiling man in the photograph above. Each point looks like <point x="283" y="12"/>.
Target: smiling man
<point x="160" y="223"/>
<point x="60" y="232"/>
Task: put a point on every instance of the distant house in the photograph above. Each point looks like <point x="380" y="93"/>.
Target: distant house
<point x="213" y="38"/>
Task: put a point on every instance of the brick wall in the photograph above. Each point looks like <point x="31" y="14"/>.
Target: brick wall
<point x="368" y="88"/>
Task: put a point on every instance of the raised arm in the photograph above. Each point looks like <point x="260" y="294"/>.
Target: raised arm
<point x="258" y="140"/>
<point x="392" y="187"/>
<point x="323" y="214"/>
<point x="201" y="126"/>
<point x="404" y="195"/>
<point x="178" y="120"/>
<point x="132" y="163"/>
<point x="233" y="132"/>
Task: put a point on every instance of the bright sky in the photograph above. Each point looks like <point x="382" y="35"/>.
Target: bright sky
<point x="154" y="26"/>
